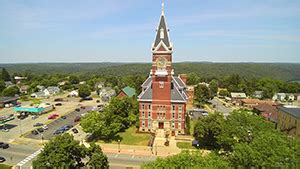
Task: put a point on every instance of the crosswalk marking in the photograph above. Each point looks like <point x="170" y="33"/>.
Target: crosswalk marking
<point x="30" y="157"/>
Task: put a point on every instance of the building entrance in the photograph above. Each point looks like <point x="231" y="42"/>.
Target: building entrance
<point x="161" y="125"/>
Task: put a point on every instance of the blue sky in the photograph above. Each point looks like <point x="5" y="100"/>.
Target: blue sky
<point x="123" y="30"/>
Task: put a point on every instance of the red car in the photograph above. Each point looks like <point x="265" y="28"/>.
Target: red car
<point x="53" y="116"/>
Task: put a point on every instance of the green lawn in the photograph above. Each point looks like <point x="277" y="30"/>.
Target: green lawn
<point x="185" y="145"/>
<point x="2" y="166"/>
<point x="130" y="137"/>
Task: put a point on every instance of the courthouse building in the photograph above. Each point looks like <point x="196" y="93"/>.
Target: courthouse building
<point x="162" y="102"/>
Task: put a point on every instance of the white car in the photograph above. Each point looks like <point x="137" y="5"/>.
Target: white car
<point x="45" y="127"/>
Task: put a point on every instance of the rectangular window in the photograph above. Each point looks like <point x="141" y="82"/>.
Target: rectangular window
<point x="161" y="84"/>
<point x="143" y="114"/>
<point x="173" y="115"/>
<point x="179" y="125"/>
<point x="143" y="107"/>
<point x="149" y="107"/>
<point x="173" y="108"/>
<point x="179" y="115"/>
<point x="179" y="108"/>
<point x="149" y="114"/>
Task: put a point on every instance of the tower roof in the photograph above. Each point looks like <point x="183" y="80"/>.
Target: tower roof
<point x="162" y="32"/>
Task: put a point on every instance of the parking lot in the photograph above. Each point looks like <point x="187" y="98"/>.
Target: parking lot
<point x="16" y="128"/>
<point x="58" y="123"/>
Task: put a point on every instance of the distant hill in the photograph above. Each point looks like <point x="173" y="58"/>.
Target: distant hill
<point x="283" y="71"/>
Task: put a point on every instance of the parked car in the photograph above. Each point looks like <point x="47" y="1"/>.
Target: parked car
<point x="48" y="104"/>
<point x="45" y="127"/>
<point x="58" y="104"/>
<point x="4" y="145"/>
<point x="34" y="117"/>
<point x="53" y="116"/>
<point x="77" y="109"/>
<point x="98" y="101"/>
<point x="2" y="159"/>
<point x="83" y="107"/>
<point x="38" y="124"/>
<point x="58" y="132"/>
<point x="40" y="130"/>
<point x="63" y="117"/>
<point x="5" y="130"/>
<point x="58" y="99"/>
<point x="77" y="119"/>
<point x="34" y="132"/>
<point x="74" y="130"/>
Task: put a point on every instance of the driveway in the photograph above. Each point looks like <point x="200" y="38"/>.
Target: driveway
<point x="219" y="107"/>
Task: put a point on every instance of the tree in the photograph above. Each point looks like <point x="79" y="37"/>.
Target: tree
<point x="84" y="91"/>
<point x="11" y="91"/>
<point x="61" y="152"/>
<point x="207" y="130"/>
<point x="192" y="79"/>
<point x="96" y="157"/>
<point x="2" y="86"/>
<point x="224" y="93"/>
<point x="73" y="79"/>
<point x="190" y="160"/>
<point x="268" y="149"/>
<point x="120" y="114"/>
<point x="213" y="86"/>
<point x="202" y="95"/>
<point x="5" y="75"/>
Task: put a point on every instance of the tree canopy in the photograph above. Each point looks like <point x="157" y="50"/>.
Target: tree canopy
<point x="64" y="152"/>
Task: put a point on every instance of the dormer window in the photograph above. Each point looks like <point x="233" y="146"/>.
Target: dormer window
<point x="162" y="34"/>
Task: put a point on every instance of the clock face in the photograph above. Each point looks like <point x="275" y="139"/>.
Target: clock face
<point x="161" y="63"/>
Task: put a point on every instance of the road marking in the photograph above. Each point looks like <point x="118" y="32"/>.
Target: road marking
<point x="132" y="157"/>
<point x="30" y="157"/>
<point x="116" y="155"/>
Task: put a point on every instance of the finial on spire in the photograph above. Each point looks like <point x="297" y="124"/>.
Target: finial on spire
<point x="163" y="7"/>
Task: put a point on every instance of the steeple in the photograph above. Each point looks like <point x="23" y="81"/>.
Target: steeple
<point x="162" y="32"/>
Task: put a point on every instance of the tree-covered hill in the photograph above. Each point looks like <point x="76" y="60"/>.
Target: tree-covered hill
<point x="282" y="71"/>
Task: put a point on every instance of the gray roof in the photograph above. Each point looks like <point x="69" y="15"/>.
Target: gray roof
<point x="175" y="93"/>
<point x="147" y="82"/>
<point x="8" y="99"/>
<point x="176" y="96"/>
<point x="147" y="94"/>
<point x="179" y="82"/>
<point x="162" y="25"/>
<point x="294" y="111"/>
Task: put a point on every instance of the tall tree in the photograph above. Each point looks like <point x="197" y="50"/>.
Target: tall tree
<point x="5" y="75"/>
<point x="96" y="157"/>
<point x="202" y="95"/>
<point x="60" y="152"/>
<point x="11" y="91"/>
<point x="213" y="86"/>
<point x="84" y="91"/>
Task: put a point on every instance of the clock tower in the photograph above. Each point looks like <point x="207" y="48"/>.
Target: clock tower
<point x="163" y="98"/>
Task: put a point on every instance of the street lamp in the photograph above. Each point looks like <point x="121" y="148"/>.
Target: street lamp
<point x="119" y="144"/>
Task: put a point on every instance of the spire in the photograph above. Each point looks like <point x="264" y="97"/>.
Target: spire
<point x="162" y="32"/>
<point x="163" y="7"/>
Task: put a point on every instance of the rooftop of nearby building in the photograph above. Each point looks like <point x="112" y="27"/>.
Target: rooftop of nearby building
<point x="7" y="99"/>
<point x="129" y="91"/>
<point x="292" y="110"/>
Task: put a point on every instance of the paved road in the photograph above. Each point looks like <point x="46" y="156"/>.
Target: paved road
<point x="220" y="107"/>
<point x="59" y="122"/>
<point x="16" y="153"/>
<point x="21" y="152"/>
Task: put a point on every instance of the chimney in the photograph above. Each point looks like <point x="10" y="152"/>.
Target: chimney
<point x="183" y="77"/>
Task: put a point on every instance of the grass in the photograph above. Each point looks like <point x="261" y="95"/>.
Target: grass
<point x="2" y="166"/>
<point x="185" y="145"/>
<point x="192" y="124"/>
<point x="130" y="137"/>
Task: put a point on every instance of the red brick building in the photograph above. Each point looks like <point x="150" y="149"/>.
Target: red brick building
<point x="162" y="103"/>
